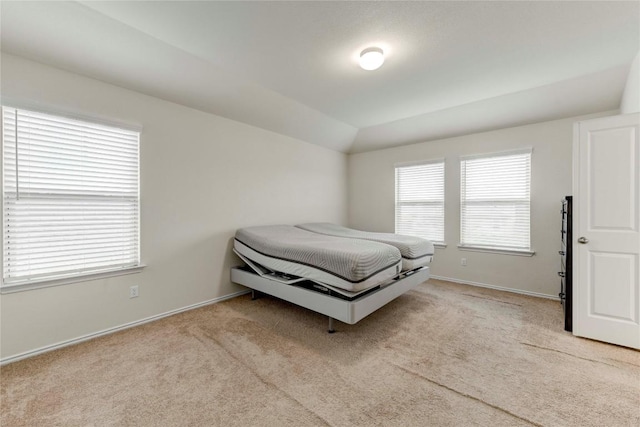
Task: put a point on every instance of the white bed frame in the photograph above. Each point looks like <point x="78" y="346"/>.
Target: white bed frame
<point x="335" y="308"/>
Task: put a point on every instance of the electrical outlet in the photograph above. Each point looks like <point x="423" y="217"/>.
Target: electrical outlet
<point x="133" y="292"/>
<point x="463" y="262"/>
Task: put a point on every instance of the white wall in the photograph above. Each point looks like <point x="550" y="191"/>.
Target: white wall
<point x="202" y="177"/>
<point x="372" y="193"/>
<point x="631" y="96"/>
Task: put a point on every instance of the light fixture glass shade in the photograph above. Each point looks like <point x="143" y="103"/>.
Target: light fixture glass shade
<point x="371" y="58"/>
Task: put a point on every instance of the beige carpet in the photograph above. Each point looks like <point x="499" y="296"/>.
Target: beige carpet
<point x="442" y="355"/>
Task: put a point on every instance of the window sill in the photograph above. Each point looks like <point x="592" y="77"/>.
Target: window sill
<point x="31" y="285"/>
<point x="516" y="252"/>
<point x="440" y="245"/>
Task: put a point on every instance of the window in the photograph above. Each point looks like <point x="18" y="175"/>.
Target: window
<point x="70" y="198"/>
<point x="495" y="199"/>
<point x="420" y="200"/>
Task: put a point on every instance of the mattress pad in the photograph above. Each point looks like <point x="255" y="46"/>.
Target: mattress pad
<point x="345" y="263"/>
<point x="415" y="251"/>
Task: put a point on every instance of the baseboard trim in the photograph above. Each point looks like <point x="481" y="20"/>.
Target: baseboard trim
<point x="122" y="327"/>
<point x="498" y="288"/>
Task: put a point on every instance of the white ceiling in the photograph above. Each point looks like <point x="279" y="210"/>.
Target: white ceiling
<point x="291" y="67"/>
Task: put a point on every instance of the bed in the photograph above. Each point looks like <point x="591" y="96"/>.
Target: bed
<point x="416" y="252"/>
<point x="344" y="279"/>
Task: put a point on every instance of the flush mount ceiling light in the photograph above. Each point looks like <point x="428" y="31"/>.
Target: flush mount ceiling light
<point x="371" y="58"/>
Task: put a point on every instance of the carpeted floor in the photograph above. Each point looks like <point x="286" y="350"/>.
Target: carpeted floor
<point x="442" y="355"/>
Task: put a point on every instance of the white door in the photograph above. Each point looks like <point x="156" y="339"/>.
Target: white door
<point x="606" y="237"/>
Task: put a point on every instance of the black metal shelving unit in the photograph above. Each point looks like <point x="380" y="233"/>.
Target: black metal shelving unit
<point x="566" y="262"/>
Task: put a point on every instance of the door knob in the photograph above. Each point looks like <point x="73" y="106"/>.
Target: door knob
<point x="583" y="240"/>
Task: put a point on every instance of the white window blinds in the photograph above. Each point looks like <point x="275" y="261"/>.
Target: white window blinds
<point x="495" y="199"/>
<point x="70" y="197"/>
<point x="420" y="200"/>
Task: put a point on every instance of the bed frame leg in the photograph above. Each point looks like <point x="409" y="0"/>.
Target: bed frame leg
<point x="331" y="330"/>
<point x="254" y="295"/>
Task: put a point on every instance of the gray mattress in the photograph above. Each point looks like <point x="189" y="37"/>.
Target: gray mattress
<point x="349" y="264"/>
<point x="416" y="252"/>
